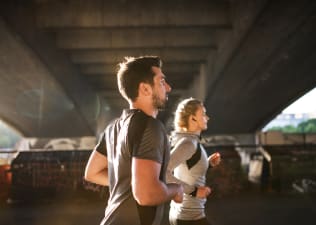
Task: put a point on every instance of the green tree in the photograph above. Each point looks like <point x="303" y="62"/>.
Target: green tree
<point x="308" y="126"/>
<point x="289" y="129"/>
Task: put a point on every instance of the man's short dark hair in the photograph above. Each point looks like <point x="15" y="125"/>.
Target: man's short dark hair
<point x="133" y="71"/>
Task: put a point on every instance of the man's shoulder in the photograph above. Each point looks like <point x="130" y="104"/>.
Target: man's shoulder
<point x="112" y="123"/>
<point x="147" y="128"/>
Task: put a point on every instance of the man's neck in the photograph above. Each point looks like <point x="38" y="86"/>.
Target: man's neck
<point x="146" y="108"/>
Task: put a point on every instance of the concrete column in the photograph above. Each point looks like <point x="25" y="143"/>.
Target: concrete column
<point x="198" y="88"/>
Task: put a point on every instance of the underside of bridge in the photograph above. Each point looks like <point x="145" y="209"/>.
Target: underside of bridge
<point x="247" y="60"/>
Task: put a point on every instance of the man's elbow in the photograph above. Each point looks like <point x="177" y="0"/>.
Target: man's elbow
<point x="143" y="198"/>
<point x="143" y="201"/>
<point x="88" y="176"/>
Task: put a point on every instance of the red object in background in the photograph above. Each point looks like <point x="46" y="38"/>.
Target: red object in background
<point x="5" y="182"/>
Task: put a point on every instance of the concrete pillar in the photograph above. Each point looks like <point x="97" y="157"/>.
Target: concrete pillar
<point x="198" y="88"/>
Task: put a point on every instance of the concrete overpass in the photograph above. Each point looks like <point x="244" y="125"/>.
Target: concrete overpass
<point x="247" y="60"/>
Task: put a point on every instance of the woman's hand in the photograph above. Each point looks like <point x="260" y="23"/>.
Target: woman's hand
<point x="203" y="192"/>
<point x="214" y="159"/>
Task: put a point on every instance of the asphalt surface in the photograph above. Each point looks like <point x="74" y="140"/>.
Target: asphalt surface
<point x="245" y="209"/>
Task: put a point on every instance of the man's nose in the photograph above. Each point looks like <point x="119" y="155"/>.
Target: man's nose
<point x="168" y="87"/>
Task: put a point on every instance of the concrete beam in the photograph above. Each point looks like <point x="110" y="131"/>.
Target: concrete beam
<point x="136" y="38"/>
<point x="99" y="13"/>
<point x="261" y="72"/>
<point x="243" y="14"/>
<point x="20" y="19"/>
<point x="31" y="99"/>
<point x="115" y="56"/>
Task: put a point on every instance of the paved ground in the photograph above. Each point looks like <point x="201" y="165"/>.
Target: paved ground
<point x="252" y="209"/>
<point x="263" y="210"/>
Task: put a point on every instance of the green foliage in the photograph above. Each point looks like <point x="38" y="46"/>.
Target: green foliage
<point x="308" y="126"/>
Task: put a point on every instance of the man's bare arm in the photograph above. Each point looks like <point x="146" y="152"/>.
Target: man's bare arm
<point x="146" y="186"/>
<point x="97" y="169"/>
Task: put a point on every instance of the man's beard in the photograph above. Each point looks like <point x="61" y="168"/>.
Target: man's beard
<point x="159" y="103"/>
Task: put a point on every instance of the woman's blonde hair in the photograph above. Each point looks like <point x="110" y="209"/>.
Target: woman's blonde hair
<point x="185" y="109"/>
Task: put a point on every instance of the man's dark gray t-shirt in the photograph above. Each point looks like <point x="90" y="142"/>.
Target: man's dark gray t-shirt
<point x="134" y="134"/>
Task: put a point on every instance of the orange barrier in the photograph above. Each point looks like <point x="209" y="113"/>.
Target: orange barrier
<point x="5" y="182"/>
<point x="5" y="174"/>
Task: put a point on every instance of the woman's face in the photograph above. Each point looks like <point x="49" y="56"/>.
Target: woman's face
<point x="201" y="118"/>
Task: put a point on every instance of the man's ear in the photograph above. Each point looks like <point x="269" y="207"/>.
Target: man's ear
<point x="145" y="89"/>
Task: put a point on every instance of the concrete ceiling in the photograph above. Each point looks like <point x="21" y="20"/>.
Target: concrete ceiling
<point x="247" y="60"/>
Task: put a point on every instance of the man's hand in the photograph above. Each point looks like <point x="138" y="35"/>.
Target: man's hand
<point x="178" y="198"/>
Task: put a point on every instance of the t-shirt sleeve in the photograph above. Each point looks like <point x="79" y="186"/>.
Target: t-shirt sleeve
<point x="101" y="145"/>
<point x="151" y="145"/>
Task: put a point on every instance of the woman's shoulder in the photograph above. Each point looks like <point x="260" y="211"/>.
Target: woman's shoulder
<point x="187" y="142"/>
